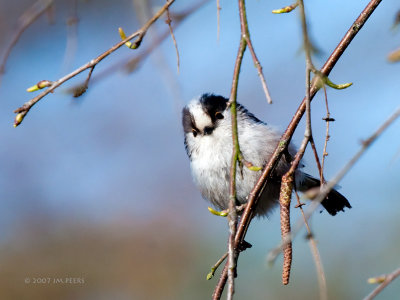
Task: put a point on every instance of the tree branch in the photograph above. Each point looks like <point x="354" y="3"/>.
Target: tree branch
<point x="286" y="137"/>
<point x="323" y="291"/>
<point x="24" y="109"/>
<point x="385" y="282"/>
<point x="331" y="184"/>
<point x="232" y="215"/>
<point x="129" y="64"/>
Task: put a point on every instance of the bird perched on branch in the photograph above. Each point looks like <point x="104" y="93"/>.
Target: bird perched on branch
<point x="208" y="140"/>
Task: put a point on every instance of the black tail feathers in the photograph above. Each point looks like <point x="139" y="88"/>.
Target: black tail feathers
<point x="333" y="203"/>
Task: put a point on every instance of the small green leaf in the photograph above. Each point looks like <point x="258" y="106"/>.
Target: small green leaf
<point x="285" y="9"/>
<point x="33" y="88"/>
<point x="337" y="86"/>
<point x="217" y="213"/>
<point x="254" y="168"/>
<point x="129" y="44"/>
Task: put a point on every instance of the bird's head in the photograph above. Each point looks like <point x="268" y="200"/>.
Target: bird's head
<point x="203" y="115"/>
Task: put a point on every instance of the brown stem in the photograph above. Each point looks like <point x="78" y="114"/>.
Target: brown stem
<point x="130" y="64"/>
<point x="327" y="119"/>
<point x="388" y="279"/>
<point x="323" y="291"/>
<point x="169" y="21"/>
<point x="331" y="184"/>
<point x="232" y="216"/>
<point x="24" y="109"/>
<point x="218" y="18"/>
<point x="286" y="137"/>
<point x="246" y="35"/>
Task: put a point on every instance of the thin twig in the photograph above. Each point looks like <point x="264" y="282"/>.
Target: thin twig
<point x="327" y="119"/>
<point x="316" y="157"/>
<point x="79" y="91"/>
<point x="129" y="64"/>
<point x="72" y="35"/>
<point x="249" y="212"/>
<point x="388" y="279"/>
<point x="232" y="216"/>
<point x="246" y="35"/>
<point x="323" y="291"/>
<point x="24" y="21"/>
<point x="169" y="21"/>
<point x="286" y="188"/>
<point x="308" y="137"/>
<point x="216" y="265"/>
<point x="218" y="18"/>
<point x="331" y="184"/>
<point x="24" y="109"/>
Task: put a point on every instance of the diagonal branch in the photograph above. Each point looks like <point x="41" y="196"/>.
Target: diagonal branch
<point x="385" y="280"/>
<point x="286" y="137"/>
<point x="129" y="64"/>
<point x="331" y="184"/>
<point x="24" y="109"/>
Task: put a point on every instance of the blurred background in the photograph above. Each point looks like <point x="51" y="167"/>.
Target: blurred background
<point x="98" y="188"/>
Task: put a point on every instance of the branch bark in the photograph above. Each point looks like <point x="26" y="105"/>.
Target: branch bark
<point x="286" y="137"/>
<point x="24" y="109"/>
<point x="387" y="279"/>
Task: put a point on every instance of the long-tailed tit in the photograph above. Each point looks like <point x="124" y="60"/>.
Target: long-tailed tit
<point x="208" y="141"/>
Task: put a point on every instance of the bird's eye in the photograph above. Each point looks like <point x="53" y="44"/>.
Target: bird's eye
<point x="208" y="130"/>
<point x="194" y="132"/>
<point x="218" y="115"/>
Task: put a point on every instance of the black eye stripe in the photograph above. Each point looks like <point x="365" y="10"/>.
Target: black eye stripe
<point x="188" y="121"/>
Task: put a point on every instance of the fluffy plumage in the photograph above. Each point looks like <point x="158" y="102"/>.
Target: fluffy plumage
<point x="208" y="141"/>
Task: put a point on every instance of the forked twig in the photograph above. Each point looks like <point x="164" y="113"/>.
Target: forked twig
<point x="323" y="291"/>
<point x="169" y="21"/>
<point x="286" y="188"/>
<point x="327" y="119"/>
<point x="331" y="184"/>
<point x="285" y="139"/>
<point x="24" y="109"/>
